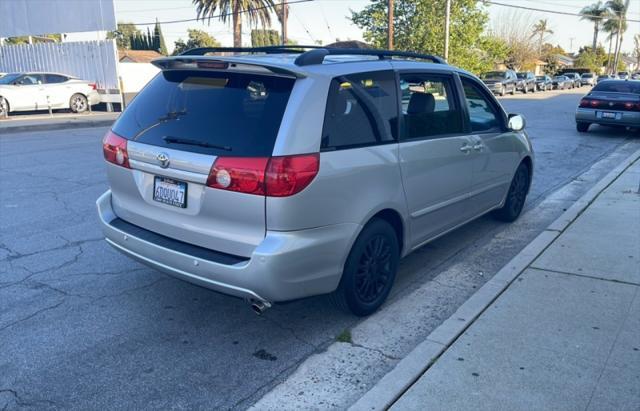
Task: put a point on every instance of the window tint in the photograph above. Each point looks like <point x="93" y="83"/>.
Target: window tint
<point x="482" y="113"/>
<point x="428" y="106"/>
<point x="55" y="78"/>
<point x="218" y="113"/>
<point x="361" y="110"/>
<point x="30" y="79"/>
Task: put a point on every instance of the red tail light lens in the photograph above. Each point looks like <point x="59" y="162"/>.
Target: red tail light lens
<point x="114" y="148"/>
<point x="93" y="86"/>
<point x="275" y="177"/>
<point x="242" y="174"/>
<point x="289" y="175"/>
<point x="584" y="103"/>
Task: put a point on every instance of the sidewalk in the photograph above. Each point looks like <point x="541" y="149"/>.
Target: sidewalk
<point x="565" y="334"/>
<point x="59" y="121"/>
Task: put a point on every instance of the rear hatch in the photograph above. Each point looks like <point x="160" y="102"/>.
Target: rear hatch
<point x="172" y="134"/>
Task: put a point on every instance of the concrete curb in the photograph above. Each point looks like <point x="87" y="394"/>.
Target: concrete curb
<point x="382" y="395"/>
<point x="56" y="126"/>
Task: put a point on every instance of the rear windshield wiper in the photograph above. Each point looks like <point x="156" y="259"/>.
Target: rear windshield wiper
<point x="173" y="115"/>
<point x="190" y="142"/>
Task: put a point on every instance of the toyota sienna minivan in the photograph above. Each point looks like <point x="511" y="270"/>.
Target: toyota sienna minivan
<point x="281" y="173"/>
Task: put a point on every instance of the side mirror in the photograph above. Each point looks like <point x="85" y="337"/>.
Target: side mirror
<point x="516" y="122"/>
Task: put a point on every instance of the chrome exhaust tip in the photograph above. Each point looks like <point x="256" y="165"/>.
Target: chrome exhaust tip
<point x="260" y="307"/>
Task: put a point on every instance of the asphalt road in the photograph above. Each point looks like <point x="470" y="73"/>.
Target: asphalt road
<point x="83" y="327"/>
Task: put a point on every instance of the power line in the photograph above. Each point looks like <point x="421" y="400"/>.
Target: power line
<point x="217" y="16"/>
<point x="564" y="13"/>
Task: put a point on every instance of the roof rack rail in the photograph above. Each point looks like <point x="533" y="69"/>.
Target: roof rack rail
<point x="285" y="49"/>
<point x="318" y="54"/>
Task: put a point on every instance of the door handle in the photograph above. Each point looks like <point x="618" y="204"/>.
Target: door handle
<point x="478" y="147"/>
<point x="465" y="148"/>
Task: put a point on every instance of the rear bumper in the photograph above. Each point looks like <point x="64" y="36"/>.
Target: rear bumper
<point x="94" y="98"/>
<point x="285" y="266"/>
<point x="627" y="118"/>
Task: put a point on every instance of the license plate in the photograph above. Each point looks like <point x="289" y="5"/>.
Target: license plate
<point x="169" y="191"/>
<point x="606" y="114"/>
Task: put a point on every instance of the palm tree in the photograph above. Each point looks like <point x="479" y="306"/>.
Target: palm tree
<point x="618" y="9"/>
<point x="610" y="26"/>
<point x="594" y="13"/>
<point x="256" y="12"/>
<point x="541" y="28"/>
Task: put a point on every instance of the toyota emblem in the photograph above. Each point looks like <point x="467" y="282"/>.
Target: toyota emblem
<point x="163" y="158"/>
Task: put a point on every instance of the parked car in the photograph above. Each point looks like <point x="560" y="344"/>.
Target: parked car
<point x="636" y="75"/>
<point x="575" y="79"/>
<point x="605" y="77"/>
<point x="500" y="82"/>
<point x="610" y="103"/>
<point x="41" y="91"/>
<point x="544" y="83"/>
<point x="588" y="79"/>
<point x="526" y="82"/>
<point x="313" y="184"/>
<point x="3" y="74"/>
<point x="562" y="82"/>
<point x="623" y="75"/>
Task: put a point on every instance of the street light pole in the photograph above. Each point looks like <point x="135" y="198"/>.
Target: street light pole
<point x="283" y="18"/>
<point x="447" y="20"/>
<point x="390" y="26"/>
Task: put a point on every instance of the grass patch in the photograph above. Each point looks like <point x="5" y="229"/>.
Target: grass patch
<point x="344" y="336"/>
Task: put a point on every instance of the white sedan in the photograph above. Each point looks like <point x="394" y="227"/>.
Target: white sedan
<point x="41" y="91"/>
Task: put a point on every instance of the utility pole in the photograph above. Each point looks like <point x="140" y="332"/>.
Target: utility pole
<point x="390" y="26"/>
<point x="447" y="23"/>
<point x="571" y="44"/>
<point x="283" y="19"/>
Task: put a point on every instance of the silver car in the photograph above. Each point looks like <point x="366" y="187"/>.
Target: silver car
<point x="293" y="173"/>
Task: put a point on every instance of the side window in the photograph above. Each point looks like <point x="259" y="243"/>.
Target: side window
<point x="429" y="106"/>
<point x="361" y="110"/>
<point x="482" y="113"/>
<point x="55" y="78"/>
<point x="29" y="79"/>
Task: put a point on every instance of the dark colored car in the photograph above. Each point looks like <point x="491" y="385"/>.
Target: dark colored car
<point x="500" y="82"/>
<point x="606" y="77"/>
<point x="544" y="83"/>
<point x="610" y="103"/>
<point x="526" y="82"/>
<point x="562" y="82"/>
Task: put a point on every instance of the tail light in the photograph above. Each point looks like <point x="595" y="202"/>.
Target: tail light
<point x="271" y="176"/>
<point x="93" y="86"/>
<point x="114" y="148"/>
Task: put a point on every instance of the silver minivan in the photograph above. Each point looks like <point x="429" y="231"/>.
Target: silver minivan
<point x="281" y="173"/>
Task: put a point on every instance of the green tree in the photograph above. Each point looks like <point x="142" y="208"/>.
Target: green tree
<point x="595" y="13"/>
<point x="196" y="38"/>
<point x="262" y="37"/>
<point x="158" y="37"/>
<point x="419" y="27"/>
<point x="257" y="12"/>
<point x="588" y="58"/>
<point x="550" y="55"/>
<point x="541" y="29"/>
<point x="123" y="35"/>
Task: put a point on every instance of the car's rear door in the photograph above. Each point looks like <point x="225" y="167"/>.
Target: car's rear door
<point x="177" y="127"/>
<point x="435" y="153"/>
<point x="57" y="90"/>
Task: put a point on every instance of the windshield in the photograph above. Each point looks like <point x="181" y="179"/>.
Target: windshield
<point x="9" y="78"/>
<point x="522" y="75"/>
<point x="559" y="78"/>
<point x="218" y="113"/>
<point x="493" y="75"/>
<point x="540" y="78"/>
<point x="587" y="75"/>
<point x="618" y="87"/>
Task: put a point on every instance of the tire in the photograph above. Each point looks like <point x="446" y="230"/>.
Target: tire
<point x="78" y="103"/>
<point x="582" y="127"/>
<point x="503" y="92"/>
<point x="516" y="196"/>
<point x="524" y="90"/>
<point x="4" y="108"/>
<point x="370" y="270"/>
<point x="513" y="91"/>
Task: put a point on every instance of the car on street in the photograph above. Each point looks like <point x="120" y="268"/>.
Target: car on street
<point x="544" y="83"/>
<point x="3" y="74"/>
<point x="606" y="77"/>
<point x="576" y="81"/>
<point x="588" y="79"/>
<point x="623" y="75"/>
<point x="526" y="82"/>
<point x="610" y="103"/>
<point x="635" y="76"/>
<point x="500" y="82"/>
<point x="278" y="174"/>
<point x="562" y="82"/>
<point x="41" y="91"/>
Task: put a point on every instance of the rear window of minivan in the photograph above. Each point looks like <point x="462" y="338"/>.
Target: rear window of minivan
<point x="207" y="112"/>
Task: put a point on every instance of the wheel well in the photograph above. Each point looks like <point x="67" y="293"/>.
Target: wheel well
<point x="527" y="162"/>
<point x="393" y="217"/>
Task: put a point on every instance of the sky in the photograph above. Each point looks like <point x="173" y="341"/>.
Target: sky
<point x="327" y="20"/>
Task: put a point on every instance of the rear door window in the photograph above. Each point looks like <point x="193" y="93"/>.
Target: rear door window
<point x="218" y="113"/>
<point x="55" y="78"/>
<point x="362" y="110"/>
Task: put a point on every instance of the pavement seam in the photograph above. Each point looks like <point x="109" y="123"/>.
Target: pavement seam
<point x="611" y="280"/>
<point x="370" y="401"/>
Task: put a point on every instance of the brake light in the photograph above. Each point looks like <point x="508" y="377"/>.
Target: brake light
<point x="594" y="103"/>
<point x="271" y="176"/>
<point x="584" y="103"/>
<point x="114" y="148"/>
<point x="93" y="86"/>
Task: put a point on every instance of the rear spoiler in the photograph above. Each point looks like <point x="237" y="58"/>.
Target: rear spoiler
<point x="220" y="64"/>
